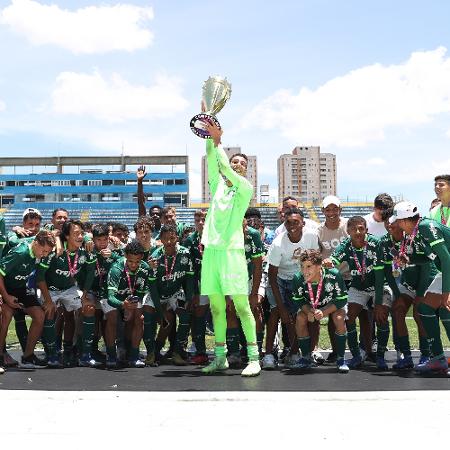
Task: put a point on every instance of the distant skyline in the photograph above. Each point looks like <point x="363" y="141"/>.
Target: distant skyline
<point x="366" y="81"/>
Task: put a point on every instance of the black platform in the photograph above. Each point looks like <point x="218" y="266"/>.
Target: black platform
<point x="190" y="379"/>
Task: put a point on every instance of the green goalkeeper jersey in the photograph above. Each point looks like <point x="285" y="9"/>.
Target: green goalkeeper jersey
<point x="120" y="286"/>
<point x="223" y="224"/>
<point x="333" y="290"/>
<point x="254" y="248"/>
<point x="371" y="256"/>
<point x="55" y="270"/>
<point x="171" y="274"/>
<point x="18" y="265"/>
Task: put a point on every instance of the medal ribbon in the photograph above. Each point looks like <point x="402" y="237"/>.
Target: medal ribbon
<point x="166" y="265"/>
<point x="132" y="288"/>
<point x="315" y="300"/>
<point x="72" y="268"/>
<point x="361" y="267"/>
<point x="407" y="243"/>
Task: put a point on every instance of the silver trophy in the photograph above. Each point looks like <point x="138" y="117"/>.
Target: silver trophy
<point x="216" y="92"/>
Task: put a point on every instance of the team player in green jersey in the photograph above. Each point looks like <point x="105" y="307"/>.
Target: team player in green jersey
<point x="200" y="303"/>
<point x="441" y="211"/>
<point x="15" y="269"/>
<point x="320" y="292"/>
<point x="224" y="265"/>
<point x="171" y="290"/>
<point x="434" y="237"/>
<point x="65" y="280"/>
<point x="363" y="254"/>
<point x="98" y="294"/>
<point x="407" y="284"/>
<point x="127" y="287"/>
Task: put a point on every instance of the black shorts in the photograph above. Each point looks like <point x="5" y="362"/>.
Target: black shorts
<point x="24" y="296"/>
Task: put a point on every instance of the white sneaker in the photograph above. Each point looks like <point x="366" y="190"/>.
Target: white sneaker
<point x="253" y="369"/>
<point x="317" y="357"/>
<point x="269" y="362"/>
<point x="2" y="370"/>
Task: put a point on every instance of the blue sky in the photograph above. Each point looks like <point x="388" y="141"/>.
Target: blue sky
<point x="368" y="81"/>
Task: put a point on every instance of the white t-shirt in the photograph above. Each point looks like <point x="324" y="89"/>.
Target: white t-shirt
<point x="309" y="224"/>
<point x="281" y="252"/>
<point x="374" y="227"/>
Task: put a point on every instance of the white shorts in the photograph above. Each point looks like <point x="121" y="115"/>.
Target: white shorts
<point x="404" y="290"/>
<point x="171" y="303"/>
<point x="70" y="298"/>
<point x="436" y="285"/>
<point x="100" y="303"/>
<point x="362" y="297"/>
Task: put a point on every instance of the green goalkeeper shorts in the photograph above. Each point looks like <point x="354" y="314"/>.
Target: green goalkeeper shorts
<point x="224" y="272"/>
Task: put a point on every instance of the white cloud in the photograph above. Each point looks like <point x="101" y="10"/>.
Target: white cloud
<point x="93" y="29"/>
<point x="115" y="99"/>
<point x="358" y="107"/>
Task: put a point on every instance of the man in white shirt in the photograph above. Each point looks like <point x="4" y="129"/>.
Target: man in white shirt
<point x="283" y="265"/>
<point x="290" y="202"/>
<point x="375" y="220"/>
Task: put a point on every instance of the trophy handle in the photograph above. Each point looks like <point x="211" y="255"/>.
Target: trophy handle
<point x="198" y="121"/>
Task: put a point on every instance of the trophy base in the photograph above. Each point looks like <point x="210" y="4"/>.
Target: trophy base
<point x="198" y="122"/>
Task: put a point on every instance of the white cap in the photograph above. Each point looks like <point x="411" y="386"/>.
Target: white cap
<point x="404" y="210"/>
<point x="330" y="200"/>
<point x="31" y="210"/>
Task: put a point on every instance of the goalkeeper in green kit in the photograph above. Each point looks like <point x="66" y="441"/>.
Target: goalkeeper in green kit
<point x="224" y="267"/>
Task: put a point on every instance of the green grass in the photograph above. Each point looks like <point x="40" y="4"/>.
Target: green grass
<point x="324" y="342"/>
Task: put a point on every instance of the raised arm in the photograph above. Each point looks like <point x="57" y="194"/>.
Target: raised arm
<point x="140" y="174"/>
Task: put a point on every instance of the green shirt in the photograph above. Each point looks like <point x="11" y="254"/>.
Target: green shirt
<point x="439" y="213"/>
<point x="374" y="276"/>
<point x="171" y="274"/>
<point x="254" y="248"/>
<point x="13" y="239"/>
<point x="102" y="266"/>
<point x="223" y="224"/>
<point x="2" y="234"/>
<point x="333" y="290"/>
<point x="17" y="266"/>
<point x="54" y="270"/>
<point x="195" y="247"/>
<point x="415" y="277"/>
<point x="435" y="239"/>
<point x="118" y="286"/>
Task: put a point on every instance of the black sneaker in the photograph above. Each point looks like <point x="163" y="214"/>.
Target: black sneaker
<point x="285" y="353"/>
<point x="32" y="362"/>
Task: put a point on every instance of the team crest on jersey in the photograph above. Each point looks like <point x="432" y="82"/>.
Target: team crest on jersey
<point x="248" y="248"/>
<point x="184" y="260"/>
<point x="328" y="287"/>
<point x="82" y="259"/>
<point x="434" y="230"/>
